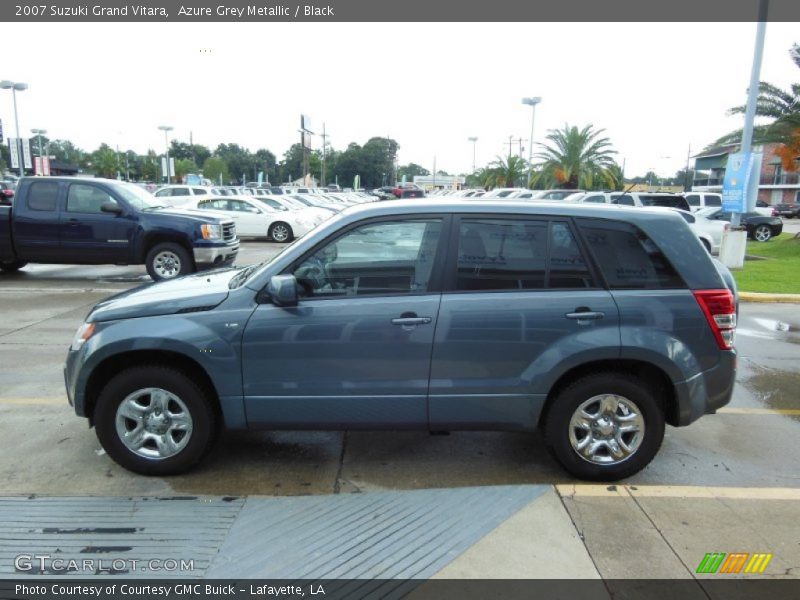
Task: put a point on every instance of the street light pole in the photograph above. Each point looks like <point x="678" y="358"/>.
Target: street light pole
<point x="474" y="141"/>
<point x="532" y="102"/>
<point x="39" y="133"/>
<point x="166" y="129"/>
<point x="14" y="86"/>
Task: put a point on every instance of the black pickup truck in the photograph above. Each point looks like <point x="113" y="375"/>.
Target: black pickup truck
<point x="69" y="220"/>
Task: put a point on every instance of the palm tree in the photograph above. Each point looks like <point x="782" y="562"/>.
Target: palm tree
<point x="576" y="158"/>
<point x="504" y="172"/>
<point x="783" y="107"/>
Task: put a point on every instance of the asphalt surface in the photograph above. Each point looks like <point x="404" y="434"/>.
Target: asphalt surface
<point x="46" y="449"/>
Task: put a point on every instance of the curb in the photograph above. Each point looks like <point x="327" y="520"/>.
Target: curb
<point x="761" y="297"/>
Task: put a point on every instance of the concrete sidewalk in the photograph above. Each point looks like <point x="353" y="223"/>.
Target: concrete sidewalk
<point x="493" y="532"/>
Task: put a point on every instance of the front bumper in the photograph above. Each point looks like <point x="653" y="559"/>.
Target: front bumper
<point x="215" y="256"/>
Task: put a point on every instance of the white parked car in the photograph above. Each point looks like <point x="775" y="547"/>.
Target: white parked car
<point x="255" y="219"/>
<point x="285" y="202"/>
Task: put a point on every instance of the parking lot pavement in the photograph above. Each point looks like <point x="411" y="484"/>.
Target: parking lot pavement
<point x="707" y="490"/>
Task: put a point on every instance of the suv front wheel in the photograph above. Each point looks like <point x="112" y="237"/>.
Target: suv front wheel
<point x="154" y="420"/>
<point x="604" y="426"/>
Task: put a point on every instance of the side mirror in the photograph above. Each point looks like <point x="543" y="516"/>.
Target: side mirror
<point x="111" y="207"/>
<point x="282" y="290"/>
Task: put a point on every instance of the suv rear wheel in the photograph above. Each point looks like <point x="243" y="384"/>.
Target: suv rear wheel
<point x="154" y="420"/>
<point x="604" y="426"/>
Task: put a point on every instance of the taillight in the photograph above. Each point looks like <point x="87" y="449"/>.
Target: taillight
<point x="720" y="310"/>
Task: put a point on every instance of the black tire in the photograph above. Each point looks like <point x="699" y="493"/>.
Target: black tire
<point x="762" y="233"/>
<point x="12" y="266"/>
<point x="194" y="398"/>
<point x="168" y="260"/>
<point x="280" y="232"/>
<point x="569" y="399"/>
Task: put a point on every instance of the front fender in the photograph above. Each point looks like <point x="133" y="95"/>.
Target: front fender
<point x="204" y="338"/>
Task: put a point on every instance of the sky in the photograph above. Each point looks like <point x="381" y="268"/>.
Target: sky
<point x="657" y="89"/>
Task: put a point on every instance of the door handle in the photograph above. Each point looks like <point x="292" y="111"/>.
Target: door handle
<point x="411" y="321"/>
<point x="585" y="315"/>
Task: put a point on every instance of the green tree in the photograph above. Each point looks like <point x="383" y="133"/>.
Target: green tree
<point x="66" y="151"/>
<point x="782" y="107"/>
<point x="410" y="171"/>
<point x="239" y="160"/>
<point x="195" y="152"/>
<point x="504" y="172"/>
<point x="184" y="166"/>
<point x="214" y="167"/>
<point x="576" y="158"/>
<point x="148" y="167"/>
<point x="104" y="161"/>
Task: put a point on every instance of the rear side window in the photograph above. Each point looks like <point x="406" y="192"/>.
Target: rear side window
<point x="43" y="195"/>
<point x="627" y="200"/>
<point x="518" y="255"/>
<point x="713" y="200"/>
<point x="669" y="201"/>
<point x="693" y="199"/>
<point x="628" y="258"/>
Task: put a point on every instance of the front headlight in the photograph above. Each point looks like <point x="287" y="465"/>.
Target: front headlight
<point x="84" y="332"/>
<point x="211" y="232"/>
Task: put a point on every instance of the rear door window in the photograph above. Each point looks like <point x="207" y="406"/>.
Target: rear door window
<point x="693" y="199"/>
<point x="43" y="196"/>
<point x="713" y="200"/>
<point x="518" y="255"/>
<point x="628" y="258"/>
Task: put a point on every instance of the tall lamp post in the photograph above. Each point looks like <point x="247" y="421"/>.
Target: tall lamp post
<point x="532" y="102"/>
<point x="16" y="87"/>
<point x="474" y="141"/>
<point x="166" y="129"/>
<point x="39" y="133"/>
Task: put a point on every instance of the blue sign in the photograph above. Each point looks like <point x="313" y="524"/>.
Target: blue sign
<point x="740" y="186"/>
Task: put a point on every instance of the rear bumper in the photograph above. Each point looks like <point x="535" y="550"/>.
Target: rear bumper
<point x="215" y="256"/>
<point x="706" y="392"/>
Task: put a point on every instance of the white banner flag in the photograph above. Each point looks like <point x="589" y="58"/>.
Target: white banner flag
<point x="26" y="153"/>
<point x="13" y="148"/>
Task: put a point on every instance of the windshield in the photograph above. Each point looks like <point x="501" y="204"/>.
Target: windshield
<point x="707" y="212"/>
<point x="137" y="197"/>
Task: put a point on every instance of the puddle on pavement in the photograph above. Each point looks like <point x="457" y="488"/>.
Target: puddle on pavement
<point x="776" y="389"/>
<point x="787" y="327"/>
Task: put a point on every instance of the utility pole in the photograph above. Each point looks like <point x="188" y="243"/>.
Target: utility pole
<point x="324" y="144"/>
<point x="520" y="140"/>
<point x="686" y="184"/>
<point x="510" y="144"/>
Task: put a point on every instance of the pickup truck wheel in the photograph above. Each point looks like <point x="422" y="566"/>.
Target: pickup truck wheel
<point x="154" y="420"/>
<point x="168" y="261"/>
<point x="604" y="427"/>
<point x="280" y="232"/>
<point x="12" y="266"/>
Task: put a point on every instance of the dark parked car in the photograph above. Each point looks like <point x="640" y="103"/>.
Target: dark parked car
<point x="759" y="227"/>
<point x="788" y="210"/>
<point x="597" y="326"/>
<point x="67" y="220"/>
<point x="6" y="192"/>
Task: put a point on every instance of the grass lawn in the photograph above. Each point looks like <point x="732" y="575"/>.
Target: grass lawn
<point x="780" y="274"/>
